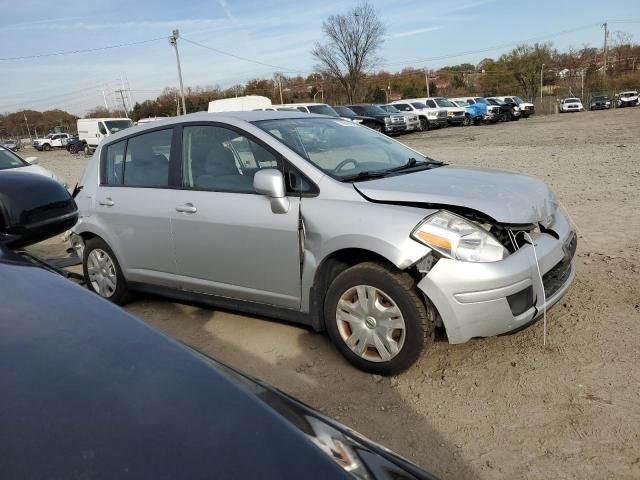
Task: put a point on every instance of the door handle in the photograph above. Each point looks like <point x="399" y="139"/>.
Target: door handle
<point x="186" y="208"/>
<point x="107" y="202"/>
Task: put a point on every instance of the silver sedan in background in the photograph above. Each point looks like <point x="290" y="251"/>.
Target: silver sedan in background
<point x="317" y="220"/>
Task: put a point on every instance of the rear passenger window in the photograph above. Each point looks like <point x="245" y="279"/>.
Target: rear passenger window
<point x="147" y="160"/>
<point x="114" y="164"/>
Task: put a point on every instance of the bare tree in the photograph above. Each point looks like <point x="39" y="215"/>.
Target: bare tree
<point x="351" y="46"/>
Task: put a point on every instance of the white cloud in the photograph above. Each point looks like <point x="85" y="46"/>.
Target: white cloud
<point x="418" y="31"/>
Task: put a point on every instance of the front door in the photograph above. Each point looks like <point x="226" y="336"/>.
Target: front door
<point x="227" y="240"/>
<point x="134" y="204"/>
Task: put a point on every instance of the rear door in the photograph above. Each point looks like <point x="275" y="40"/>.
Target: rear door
<point x="228" y="241"/>
<point x="134" y="204"/>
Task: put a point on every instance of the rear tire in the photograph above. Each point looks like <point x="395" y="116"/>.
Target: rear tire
<point x="424" y="125"/>
<point x="376" y="318"/>
<point x="87" y="150"/>
<point x="102" y="272"/>
<point x="73" y="149"/>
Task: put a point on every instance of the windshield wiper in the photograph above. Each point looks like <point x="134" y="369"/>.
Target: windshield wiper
<point x="365" y="175"/>
<point x="413" y="163"/>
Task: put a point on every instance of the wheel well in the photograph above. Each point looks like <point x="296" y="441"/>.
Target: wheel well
<point x="334" y="264"/>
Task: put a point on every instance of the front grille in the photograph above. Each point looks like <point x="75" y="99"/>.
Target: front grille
<point x="458" y="114"/>
<point x="555" y="278"/>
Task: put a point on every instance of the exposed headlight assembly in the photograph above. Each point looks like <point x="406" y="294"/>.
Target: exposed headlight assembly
<point x="458" y="238"/>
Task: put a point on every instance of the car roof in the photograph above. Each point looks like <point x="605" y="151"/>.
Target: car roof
<point x="93" y="389"/>
<point x="223" y="117"/>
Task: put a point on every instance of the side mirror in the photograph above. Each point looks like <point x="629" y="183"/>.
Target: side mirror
<point x="270" y="183"/>
<point x="31" y="160"/>
<point x="33" y="207"/>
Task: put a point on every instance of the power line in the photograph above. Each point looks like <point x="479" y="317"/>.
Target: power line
<point x="496" y="47"/>
<point x="84" y="50"/>
<point x="222" y="52"/>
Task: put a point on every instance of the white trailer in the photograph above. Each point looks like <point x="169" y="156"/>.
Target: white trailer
<point x="240" y="104"/>
<point x="92" y="130"/>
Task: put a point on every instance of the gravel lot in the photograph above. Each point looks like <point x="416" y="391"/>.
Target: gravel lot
<point x="503" y="407"/>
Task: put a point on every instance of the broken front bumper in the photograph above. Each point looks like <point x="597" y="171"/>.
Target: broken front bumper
<point x="486" y="299"/>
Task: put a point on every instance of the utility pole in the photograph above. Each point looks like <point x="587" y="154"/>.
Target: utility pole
<point x="582" y="85"/>
<point x="426" y="80"/>
<point x="606" y="49"/>
<point x="27" y="122"/>
<point x="541" y="71"/>
<point x="173" y="40"/>
<point x="104" y="97"/>
<point x="280" y="87"/>
<point x="124" y="103"/>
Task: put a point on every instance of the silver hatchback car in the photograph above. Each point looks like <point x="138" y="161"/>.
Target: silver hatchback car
<point x="317" y="220"/>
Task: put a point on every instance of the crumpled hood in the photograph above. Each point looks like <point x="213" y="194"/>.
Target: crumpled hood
<point x="504" y="196"/>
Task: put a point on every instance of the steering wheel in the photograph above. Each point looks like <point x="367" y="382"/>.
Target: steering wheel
<point x="344" y="162"/>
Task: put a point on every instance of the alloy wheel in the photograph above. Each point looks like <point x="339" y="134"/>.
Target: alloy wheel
<point x="370" y="323"/>
<point x="102" y="273"/>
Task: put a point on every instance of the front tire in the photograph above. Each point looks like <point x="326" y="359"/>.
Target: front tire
<point x="424" y="125"/>
<point x="102" y="272"/>
<point x="467" y="121"/>
<point x="46" y="147"/>
<point x="376" y="318"/>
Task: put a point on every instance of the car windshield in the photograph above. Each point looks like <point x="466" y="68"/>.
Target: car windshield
<point x="443" y="102"/>
<point x="494" y="101"/>
<point x="481" y="100"/>
<point x="115" y="126"/>
<point x="600" y="98"/>
<point x="345" y="111"/>
<point x="373" y="110"/>
<point x="572" y="100"/>
<point x="390" y="109"/>
<point x="10" y="160"/>
<point x="628" y="94"/>
<point x="518" y="100"/>
<point x="340" y="148"/>
<point x="322" y="110"/>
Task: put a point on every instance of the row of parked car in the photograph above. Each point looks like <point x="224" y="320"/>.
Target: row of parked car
<point x="600" y="102"/>
<point x="422" y="114"/>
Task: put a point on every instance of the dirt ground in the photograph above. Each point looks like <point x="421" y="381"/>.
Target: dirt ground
<point x="495" y="408"/>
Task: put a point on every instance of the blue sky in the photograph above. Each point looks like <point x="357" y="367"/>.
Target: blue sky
<point x="279" y="33"/>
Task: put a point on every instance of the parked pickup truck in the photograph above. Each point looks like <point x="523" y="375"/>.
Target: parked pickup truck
<point x="491" y="113"/>
<point x="571" y="104"/>
<point x="455" y="114"/>
<point x="508" y="110"/>
<point x="346" y="112"/>
<point x="473" y="113"/>
<point x="627" y="99"/>
<point x="526" y="108"/>
<point x="430" y="116"/>
<point x="413" y="121"/>
<point x="53" y="140"/>
<point x="390" y="122"/>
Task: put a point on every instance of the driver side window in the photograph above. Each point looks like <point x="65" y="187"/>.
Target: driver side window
<point x="101" y="128"/>
<point x="431" y="103"/>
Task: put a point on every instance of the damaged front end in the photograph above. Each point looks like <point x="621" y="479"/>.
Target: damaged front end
<point x="485" y="278"/>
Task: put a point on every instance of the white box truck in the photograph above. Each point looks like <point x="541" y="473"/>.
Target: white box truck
<point x="240" y="104"/>
<point x="92" y="130"/>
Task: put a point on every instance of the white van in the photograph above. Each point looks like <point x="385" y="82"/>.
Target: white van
<point x="240" y="104"/>
<point x="92" y="130"/>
